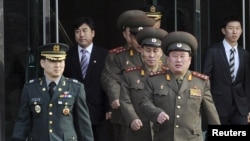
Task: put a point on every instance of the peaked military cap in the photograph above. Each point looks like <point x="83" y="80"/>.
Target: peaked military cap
<point x="153" y="11"/>
<point x="53" y="51"/>
<point x="179" y="41"/>
<point x="135" y="19"/>
<point x="150" y="36"/>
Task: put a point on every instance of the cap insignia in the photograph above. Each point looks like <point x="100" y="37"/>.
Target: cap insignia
<point x="56" y="48"/>
<point x="179" y="45"/>
<point x="153" y="40"/>
<point x="152" y="9"/>
<point x="140" y="28"/>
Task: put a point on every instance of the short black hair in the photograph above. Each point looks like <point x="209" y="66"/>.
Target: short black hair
<point x="230" y="19"/>
<point x="84" y="20"/>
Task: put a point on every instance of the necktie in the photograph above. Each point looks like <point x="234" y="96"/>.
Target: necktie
<point x="84" y="62"/>
<point x="231" y="63"/>
<point x="179" y="82"/>
<point x="51" y="88"/>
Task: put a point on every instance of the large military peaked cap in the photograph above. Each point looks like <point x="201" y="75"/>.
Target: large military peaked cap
<point x="135" y="19"/>
<point x="179" y="41"/>
<point x="150" y="36"/>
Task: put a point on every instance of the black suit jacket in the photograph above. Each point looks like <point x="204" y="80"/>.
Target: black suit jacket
<point x="97" y="100"/>
<point x="225" y="92"/>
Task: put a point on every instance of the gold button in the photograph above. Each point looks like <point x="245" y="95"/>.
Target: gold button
<point x="177" y="126"/>
<point x="50" y="113"/>
<point x="177" y="116"/>
<point x="50" y="105"/>
<point x="179" y="97"/>
<point x="50" y="122"/>
<point x="178" y="107"/>
<point x="50" y="130"/>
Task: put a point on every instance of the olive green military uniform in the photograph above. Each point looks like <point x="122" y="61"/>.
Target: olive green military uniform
<point x="182" y="103"/>
<point x="116" y="62"/>
<point x="133" y="81"/>
<point x="124" y="58"/>
<point x="119" y="59"/>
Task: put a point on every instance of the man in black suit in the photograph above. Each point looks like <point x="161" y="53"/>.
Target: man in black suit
<point x="230" y="90"/>
<point x="88" y="71"/>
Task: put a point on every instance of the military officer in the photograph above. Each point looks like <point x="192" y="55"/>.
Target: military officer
<point x="118" y="59"/>
<point x="53" y="107"/>
<point x="175" y="106"/>
<point x="133" y="81"/>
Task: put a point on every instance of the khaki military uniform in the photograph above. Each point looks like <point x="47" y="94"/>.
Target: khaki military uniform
<point x="182" y="105"/>
<point x="132" y="84"/>
<point x="117" y="61"/>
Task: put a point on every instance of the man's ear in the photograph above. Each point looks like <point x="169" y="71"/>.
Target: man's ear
<point x="223" y="31"/>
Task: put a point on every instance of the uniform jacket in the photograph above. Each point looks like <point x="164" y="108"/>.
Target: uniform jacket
<point x="117" y="61"/>
<point x="182" y="105"/>
<point x="97" y="100"/>
<point x="133" y="82"/>
<point x="223" y="90"/>
<point x="43" y="119"/>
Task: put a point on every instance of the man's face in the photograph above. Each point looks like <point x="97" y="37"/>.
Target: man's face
<point x="52" y="69"/>
<point x="134" y="43"/>
<point x="126" y="35"/>
<point x="84" y="35"/>
<point x="179" y="62"/>
<point x="151" y="56"/>
<point x="232" y="32"/>
<point x="157" y="24"/>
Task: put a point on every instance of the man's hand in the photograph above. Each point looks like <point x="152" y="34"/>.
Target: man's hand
<point x="115" y="104"/>
<point x="108" y="115"/>
<point x="162" y="117"/>
<point x="136" y="124"/>
<point x="248" y="118"/>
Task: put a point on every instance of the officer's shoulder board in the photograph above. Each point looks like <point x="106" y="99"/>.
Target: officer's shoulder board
<point x="72" y="80"/>
<point x="162" y="72"/>
<point x="34" y="80"/>
<point x="199" y="75"/>
<point x="118" y="50"/>
<point x="131" y="69"/>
